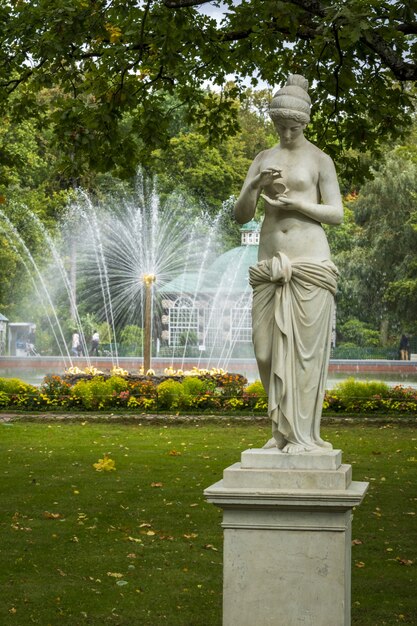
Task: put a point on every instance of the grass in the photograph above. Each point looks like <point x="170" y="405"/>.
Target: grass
<point x="139" y="546"/>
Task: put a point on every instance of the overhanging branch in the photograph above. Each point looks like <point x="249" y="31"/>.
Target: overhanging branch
<point x="180" y="4"/>
<point x="402" y="70"/>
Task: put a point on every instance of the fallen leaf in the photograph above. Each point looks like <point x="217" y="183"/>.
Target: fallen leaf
<point x="404" y="561"/>
<point x="48" y="515"/>
<point x="157" y="485"/>
<point x="359" y="564"/>
<point x="209" y="546"/>
<point x="106" y="464"/>
<point x="174" y="453"/>
<point x="190" y="536"/>
<point x="134" y="539"/>
<point x="115" y="574"/>
<point x="356" y="542"/>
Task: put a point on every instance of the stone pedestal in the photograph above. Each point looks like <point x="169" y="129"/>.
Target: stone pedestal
<point x="287" y="538"/>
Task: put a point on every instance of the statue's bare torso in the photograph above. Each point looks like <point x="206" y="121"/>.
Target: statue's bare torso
<point x="294" y="213"/>
<point x="287" y="231"/>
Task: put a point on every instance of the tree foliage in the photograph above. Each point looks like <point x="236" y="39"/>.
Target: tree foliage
<point x="112" y="66"/>
<point x="379" y="261"/>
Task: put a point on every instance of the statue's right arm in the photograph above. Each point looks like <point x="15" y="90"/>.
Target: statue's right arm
<point x="245" y="206"/>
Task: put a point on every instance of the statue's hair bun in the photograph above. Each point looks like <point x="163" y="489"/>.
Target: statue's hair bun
<point x="298" y="81"/>
<point x="292" y="101"/>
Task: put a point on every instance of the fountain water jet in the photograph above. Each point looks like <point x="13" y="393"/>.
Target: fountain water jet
<point x="113" y="246"/>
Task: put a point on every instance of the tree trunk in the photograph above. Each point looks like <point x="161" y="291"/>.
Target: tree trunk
<point x="383" y="329"/>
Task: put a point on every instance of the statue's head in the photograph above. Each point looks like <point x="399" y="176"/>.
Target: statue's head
<point x="292" y="101"/>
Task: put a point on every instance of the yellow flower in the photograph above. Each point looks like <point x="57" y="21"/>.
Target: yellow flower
<point x="73" y="370"/>
<point x="93" y="371"/>
<point x="106" y="464"/>
<point x="118" y="371"/>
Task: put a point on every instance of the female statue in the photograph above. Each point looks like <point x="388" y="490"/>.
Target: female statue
<point x="294" y="281"/>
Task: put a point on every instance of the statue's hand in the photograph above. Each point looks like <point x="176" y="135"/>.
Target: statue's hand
<point x="279" y="201"/>
<point x="266" y="178"/>
<point x="282" y="201"/>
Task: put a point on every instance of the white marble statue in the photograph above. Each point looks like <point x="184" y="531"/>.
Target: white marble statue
<point x="294" y="281"/>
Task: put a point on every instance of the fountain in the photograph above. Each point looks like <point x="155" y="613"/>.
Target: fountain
<point x="116" y="263"/>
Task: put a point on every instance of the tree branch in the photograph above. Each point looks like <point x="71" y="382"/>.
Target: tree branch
<point x="408" y="29"/>
<point x="310" y="6"/>
<point x="180" y="4"/>
<point x="402" y="70"/>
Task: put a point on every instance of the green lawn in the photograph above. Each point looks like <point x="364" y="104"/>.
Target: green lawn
<point x="139" y="546"/>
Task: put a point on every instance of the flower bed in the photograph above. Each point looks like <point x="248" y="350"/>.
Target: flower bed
<point x="189" y="392"/>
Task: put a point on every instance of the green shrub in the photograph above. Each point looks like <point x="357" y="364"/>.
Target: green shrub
<point x="256" y="389"/>
<point x="193" y="385"/>
<point x="353" y="389"/>
<point x="82" y="395"/>
<point x="19" y="394"/>
<point x="89" y="394"/>
<point x="255" y="396"/>
<point x="170" y="393"/>
<point x="193" y="389"/>
<point x="12" y="385"/>
<point x="99" y="393"/>
<point x="4" y="400"/>
<point x="116" y="384"/>
<point x="353" y="396"/>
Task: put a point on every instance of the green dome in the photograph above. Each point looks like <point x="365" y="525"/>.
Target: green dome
<point x="228" y="274"/>
<point x="253" y="225"/>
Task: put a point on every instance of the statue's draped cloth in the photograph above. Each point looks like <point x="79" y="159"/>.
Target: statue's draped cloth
<point x="292" y="317"/>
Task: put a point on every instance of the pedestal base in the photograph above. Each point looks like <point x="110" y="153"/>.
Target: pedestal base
<point x="287" y="538"/>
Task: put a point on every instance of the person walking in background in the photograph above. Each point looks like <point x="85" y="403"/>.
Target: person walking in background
<point x="75" y="344"/>
<point x="95" y="340"/>
<point x="404" y="348"/>
<point x="30" y="344"/>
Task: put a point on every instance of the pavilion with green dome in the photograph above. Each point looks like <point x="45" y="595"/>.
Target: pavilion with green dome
<point x="212" y="309"/>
